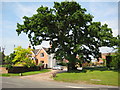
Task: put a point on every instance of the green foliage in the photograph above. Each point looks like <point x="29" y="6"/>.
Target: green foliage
<point x="23" y="56"/>
<point x="116" y="58"/>
<point x="114" y="62"/>
<point x="40" y="64"/>
<point x="8" y="59"/>
<point x="27" y="62"/>
<point x="69" y="29"/>
<point x="2" y="57"/>
<point x="9" y="66"/>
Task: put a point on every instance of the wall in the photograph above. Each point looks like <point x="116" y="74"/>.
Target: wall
<point x="51" y="61"/>
<point x="45" y="58"/>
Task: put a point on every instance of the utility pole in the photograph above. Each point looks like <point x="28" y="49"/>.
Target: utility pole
<point x="3" y="49"/>
<point x="14" y="45"/>
<point x="0" y="49"/>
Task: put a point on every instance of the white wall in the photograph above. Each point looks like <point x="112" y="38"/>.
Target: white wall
<point x="51" y="61"/>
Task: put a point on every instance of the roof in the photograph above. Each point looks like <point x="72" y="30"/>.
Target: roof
<point x="35" y="51"/>
<point x="107" y="54"/>
<point x="46" y="49"/>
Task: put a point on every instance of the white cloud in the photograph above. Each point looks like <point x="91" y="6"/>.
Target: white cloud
<point x="106" y="13"/>
<point x="23" y="10"/>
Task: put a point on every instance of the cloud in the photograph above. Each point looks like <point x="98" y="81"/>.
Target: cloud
<point x="25" y="10"/>
<point x="28" y="8"/>
<point x="106" y="13"/>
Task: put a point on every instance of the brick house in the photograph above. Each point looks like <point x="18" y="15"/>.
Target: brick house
<point x="41" y="56"/>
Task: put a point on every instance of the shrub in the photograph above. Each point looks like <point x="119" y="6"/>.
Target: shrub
<point x="9" y="66"/>
<point x="8" y="59"/>
<point x="115" y="63"/>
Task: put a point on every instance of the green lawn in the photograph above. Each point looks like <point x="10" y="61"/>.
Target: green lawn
<point x="26" y="73"/>
<point x="3" y="65"/>
<point x="91" y="77"/>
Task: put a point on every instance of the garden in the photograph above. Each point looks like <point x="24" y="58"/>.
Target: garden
<point x="20" y="63"/>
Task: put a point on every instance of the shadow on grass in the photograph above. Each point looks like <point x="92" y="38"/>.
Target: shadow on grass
<point x="77" y="71"/>
<point x="99" y="68"/>
<point x="96" y="68"/>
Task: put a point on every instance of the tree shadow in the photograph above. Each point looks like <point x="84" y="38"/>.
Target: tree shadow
<point x="91" y="69"/>
<point x="77" y="71"/>
<point x="99" y="68"/>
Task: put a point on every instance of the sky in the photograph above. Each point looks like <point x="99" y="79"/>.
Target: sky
<point x="12" y="12"/>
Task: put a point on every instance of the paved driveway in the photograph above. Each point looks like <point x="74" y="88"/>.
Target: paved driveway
<point x="42" y="76"/>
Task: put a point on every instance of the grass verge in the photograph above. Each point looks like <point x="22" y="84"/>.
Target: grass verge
<point x="90" y="77"/>
<point x="3" y="65"/>
<point x="25" y="73"/>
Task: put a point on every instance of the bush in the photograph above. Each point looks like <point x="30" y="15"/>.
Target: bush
<point x="40" y="64"/>
<point x="2" y="58"/>
<point x="9" y="66"/>
<point x="21" y="69"/>
<point x="8" y="59"/>
<point x="28" y="63"/>
<point x="115" y="63"/>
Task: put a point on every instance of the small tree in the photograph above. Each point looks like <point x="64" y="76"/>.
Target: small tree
<point x="23" y="56"/>
<point x="2" y="58"/>
<point x="9" y="58"/>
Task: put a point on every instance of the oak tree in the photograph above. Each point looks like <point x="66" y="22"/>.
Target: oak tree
<point x="70" y="30"/>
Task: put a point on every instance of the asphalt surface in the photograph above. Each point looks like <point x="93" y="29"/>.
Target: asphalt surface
<point x="17" y="82"/>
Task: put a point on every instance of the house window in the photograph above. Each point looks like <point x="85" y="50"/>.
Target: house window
<point x="42" y="61"/>
<point x="42" y="55"/>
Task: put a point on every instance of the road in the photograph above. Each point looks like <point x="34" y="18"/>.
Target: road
<point x="43" y="80"/>
<point x="16" y="82"/>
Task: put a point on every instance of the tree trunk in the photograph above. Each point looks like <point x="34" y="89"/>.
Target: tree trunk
<point x="72" y="62"/>
<point x="71" y="66"/>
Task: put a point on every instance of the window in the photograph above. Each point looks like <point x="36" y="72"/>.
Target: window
<point x="42" y="61"/>
<point x="42" y="55"/>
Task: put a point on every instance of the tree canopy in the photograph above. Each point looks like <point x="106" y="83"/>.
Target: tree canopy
<point x="70" y="30"/>
<point x="23" y="56"/>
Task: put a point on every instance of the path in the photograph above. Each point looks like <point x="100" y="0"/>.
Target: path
<point x="42" y="76"/>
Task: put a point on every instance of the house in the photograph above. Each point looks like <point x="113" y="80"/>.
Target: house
<point x="41" y="56"/>
<point x="102" y="59"/>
